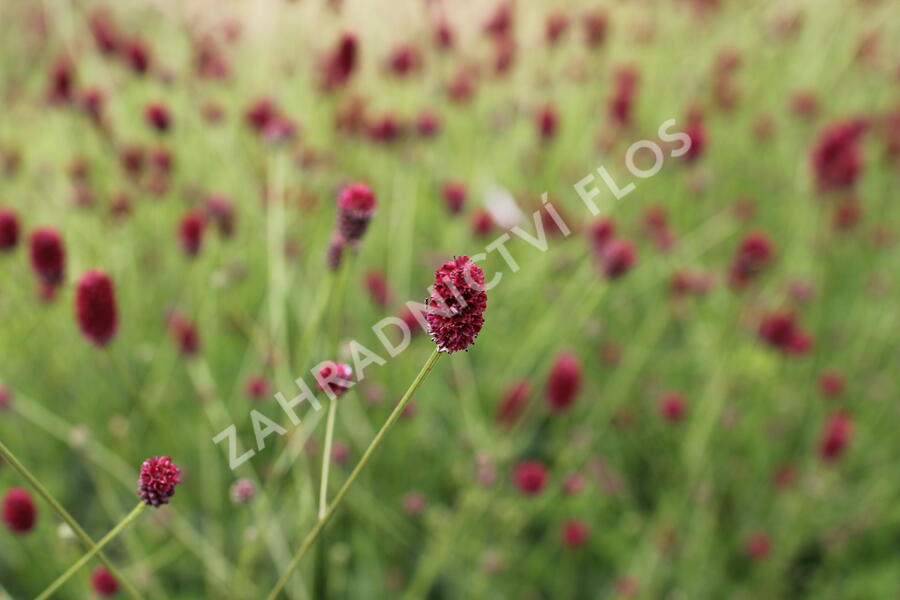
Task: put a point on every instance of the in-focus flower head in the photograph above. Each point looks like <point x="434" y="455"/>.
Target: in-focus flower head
<point x="157" y="481"/>
<point x="95" y="307"/>
<point x="456" y="305"/>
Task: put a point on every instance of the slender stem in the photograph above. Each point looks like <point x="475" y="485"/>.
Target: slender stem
<point x="373" y="445"/>
<point x="65" y="516"/>
<point x="326" y="458"/>
<point x="90" y="554"/>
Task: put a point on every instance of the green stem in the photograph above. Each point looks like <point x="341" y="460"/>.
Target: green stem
<point x="373" y="445"/>
<point x="64" y="514"/>
<point x="326" y="458"/>
<point x="90" y="554"/>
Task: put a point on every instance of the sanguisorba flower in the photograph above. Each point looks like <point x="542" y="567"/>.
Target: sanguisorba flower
<point x="564" y="382"/>
<point x="190" y="232"/>
<point x="334" y="378"/>
<point x="356" y="206"/>
<point x="48" y="255"/>
<point x="672" y="407"/>
<point x="456" y="305"/>
<point x="95" y="307"/>
<point x="158" y="479"/>
<point x="158" y="116"/>
<point x="19" y="511"/>
<point x="104" y="583"/>
<point x="574" y="534"/>
<point x="530" y="477"/>
<point x="242" y="491"/>
<point x="836" y="158"/>
<point x="835" y="437"/>
<point x="9" y="230"/>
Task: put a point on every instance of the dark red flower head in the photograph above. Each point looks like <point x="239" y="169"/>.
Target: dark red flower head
<point x="564" y="382"/>
<point x="61" y="84"/>
<point x="190" y="232"/>
<point x="19" y="511"/>
<point x="104" y="30"/>
<point x="758" y="546"/>
<point x="835" y="437"/>
<point x="104" y="583"/>
<point x="339" y="65"/>
<point x="5" y="397"/>
<point x="455" y="195"/>
<point x="356" y="206"/>
<point x="378" y="288"/>
<point x="334" y="378"/>
<point x="137" y="54"/>
<point x="184" y="332"/>
<point x="617" y="257"/>
<point x="95" y="307"/>
<point x="753" y="255"/>
<point x="457" y="304"/>
<point x="546" y="120"/>
<point x="837" y="158"/>
<point x="159" y="476"/>
<point x="574" y="534"/>
<point x="220" y="210"/>
<point x="158" y="117"/>
<point x="48" y="256"/>
<point x="672" y="406"/>
<point x="530" y="477"/>
<point x="256" y="387"/>
<point x="9" y="230"/>
<point x="831" y="384"/>
<point x="696" y="131"/>
<point x="781" y="330"/>
<point x="513" y="402"/>
<point x="595" y="25"/>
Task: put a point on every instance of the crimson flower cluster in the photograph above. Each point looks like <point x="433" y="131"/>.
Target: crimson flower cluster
<point x="456" y="306"/>
<point x="95" y="307"/>
<point x="158" y="479"/>
<point x="19" y="511"/>
<point x="781" y="330"/>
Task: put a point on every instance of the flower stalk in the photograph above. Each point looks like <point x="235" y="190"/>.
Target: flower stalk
<point x="90" y="554"/>
<point x="370" y="450"/>
<point x="70" y="521"/>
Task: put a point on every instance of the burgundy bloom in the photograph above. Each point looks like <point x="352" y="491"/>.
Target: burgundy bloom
<point x="601" y="232"/>
<point x="378" y="288"/>
<point x="530" y="477"/>
<point x="61" y="84"/>
<point x="132" y="158"/>
<point x="104" y="31"/>
<point x="158" y="479"/>
<point x="672" y="407"/>
<point x="574" y="534"/>
<point x="104" y="583"/>
<point x="95" y="307"/>
<point x="835" y="437"/>
<point x="837" y="158"/>
<point x="500" y="23"/>
<point x="92" y="101"/>
<point x="19" y="511"/>
<point x="757" y="546"/>
<point x="625" y="88"/>
<point x="334" y="378"/>
<point x="137" y="54"/>
<point x="780" y="330"/>
<point x="753" y="255"/>
<point x="457" y="304"/>
<point x="563" y="383"/>
<point x="443" y="35"/>
<point x="482" y="222"/>
<point x="220" y="211"/>
<point x="546" y="121"/>
<point x="256" y="387"/>
<point x="260" y="113"/>
<point x="339" y="65"/>
<point x="9" y="230"/>
<point x="405" y="59"/>
<point x="190" y="232"/>
<point x="243" y="491"/>
<point x="184" y="333"/>
<point x="158" y="116"/>
<point x="428" y="123"/>
<point x="356" y="206"/>
<point x="48" y="256"/>
<point x="696" y="131"/>
<point x="617" y="257"/>
<point x="455" y="194"/>
<point x="595" y="24"/>
<point x="831" y="384"/>
<point x="555" y="26"/>
<point x="513" y="402"/>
